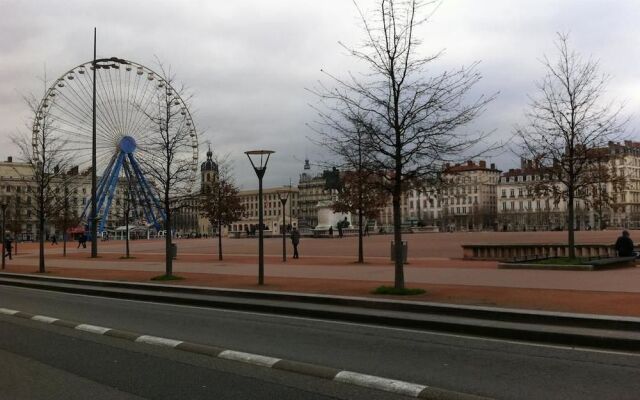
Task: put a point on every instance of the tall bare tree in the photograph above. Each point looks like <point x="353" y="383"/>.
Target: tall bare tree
<point x="220" y="201"/>
<point x="411" y="116"/>
<point x="49" y="164"/>
<point x="567" y="120"/>
<point x="165" y="162"/>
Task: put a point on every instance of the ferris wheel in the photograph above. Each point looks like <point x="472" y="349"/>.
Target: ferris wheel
<point x="128" y="138"/>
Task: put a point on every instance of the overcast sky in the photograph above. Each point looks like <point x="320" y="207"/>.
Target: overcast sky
<point x="248" y="62"/>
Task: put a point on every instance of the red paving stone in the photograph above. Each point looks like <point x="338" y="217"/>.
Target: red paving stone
<point x="433" y="252"/>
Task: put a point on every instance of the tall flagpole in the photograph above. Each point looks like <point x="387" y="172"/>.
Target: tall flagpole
<point x="94" y="211"/>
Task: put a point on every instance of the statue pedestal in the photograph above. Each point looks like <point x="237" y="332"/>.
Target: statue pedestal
<point x="328" y="218"/>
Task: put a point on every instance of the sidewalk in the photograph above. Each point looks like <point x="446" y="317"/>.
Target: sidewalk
<point x="615" y="292"/>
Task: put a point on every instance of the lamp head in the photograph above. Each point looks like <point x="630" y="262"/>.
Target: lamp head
<point x="259" y="160"/>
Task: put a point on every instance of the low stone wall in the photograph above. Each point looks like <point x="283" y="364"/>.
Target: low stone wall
<point x="508" y="252"/>
<point x="593" y="265"/>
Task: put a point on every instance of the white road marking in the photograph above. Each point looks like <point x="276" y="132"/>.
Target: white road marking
<point x="327" y="321"/>
<point x="158" y="341"/>
<point x="44" y="318"/>
<point x="248" y="358"/>
<point x="100" y="330"/>
<point x="376" y="382"/>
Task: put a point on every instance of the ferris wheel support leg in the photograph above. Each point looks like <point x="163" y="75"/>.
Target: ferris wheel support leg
<point x="101" y="184"/>
<point x="144" y="194"/>
<point x="145" y="203"/>
<point x="113" y="182"/>
<point x="148" y="192"/>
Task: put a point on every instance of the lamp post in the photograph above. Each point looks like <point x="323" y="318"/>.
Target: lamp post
<point x="259" y="160"/>
<point x="4" y="211"/>
<point x="104" y="63"/>
<point x="284" y="196"/>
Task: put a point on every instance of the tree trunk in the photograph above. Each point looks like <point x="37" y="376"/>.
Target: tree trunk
<point x="397" y="239"/>
<point x="42" y="237"/>
<point x="219" y="240"/>
<point x="570" y="207"/>
<point x="167" y="236"/>
<point x="126" y="223"/>
<point x="360" y="233"/>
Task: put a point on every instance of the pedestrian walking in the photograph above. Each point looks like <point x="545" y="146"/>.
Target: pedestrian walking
<point x="331" y="231"/>
<point x="624" y="245"/>
<point x="366" y="230"/>
<point x="54" y="239"/>
<point x="295" y="241"/>
<point x="8" y="247"/>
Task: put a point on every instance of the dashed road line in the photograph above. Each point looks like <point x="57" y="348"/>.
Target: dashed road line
<point x="404" y="388"/>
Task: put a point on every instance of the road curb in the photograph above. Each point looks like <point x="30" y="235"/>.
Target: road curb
<point x="409" y="389"/>
<point x="606" y="332"/>
<point x="480" y="312"/>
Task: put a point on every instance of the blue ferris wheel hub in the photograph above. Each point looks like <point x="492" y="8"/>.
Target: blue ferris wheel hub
<point x="141" y="193"/>
<point x="128" y="145"/>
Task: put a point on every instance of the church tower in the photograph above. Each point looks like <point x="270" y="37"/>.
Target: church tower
<point x="208" y="173"/>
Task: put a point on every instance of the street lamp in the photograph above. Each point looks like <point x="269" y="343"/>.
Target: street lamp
<point x="259" y="160"/>
<point x="104" y="63"/>
<point x="284" y="196"/>
<point x="4" y="211"/>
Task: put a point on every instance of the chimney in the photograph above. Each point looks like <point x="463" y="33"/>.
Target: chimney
<point x="483" y="164"/>
<point x="470" y="163"/>
<point x="493" y="166"/>
<point x="523" y="162"/>
<point x="9" y="159"/>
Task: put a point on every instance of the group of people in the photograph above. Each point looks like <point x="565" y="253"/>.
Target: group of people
<point x="341" y="225"/>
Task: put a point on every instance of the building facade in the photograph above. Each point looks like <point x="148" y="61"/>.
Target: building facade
<point x="273" y="211"/>
<point x="463" y="199"/>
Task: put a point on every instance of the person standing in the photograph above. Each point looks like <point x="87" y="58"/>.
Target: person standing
<point x="624" y="245"/>
<point x="331" y="231"/>
<point x="54" y="239"/>
<point x="295" y="241"/>
<point x="8" y="247"/>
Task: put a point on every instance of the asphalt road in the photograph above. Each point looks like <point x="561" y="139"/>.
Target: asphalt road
<point x="41" y="359"/>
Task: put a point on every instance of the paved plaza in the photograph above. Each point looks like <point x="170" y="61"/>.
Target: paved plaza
<point x="327" y="266"/>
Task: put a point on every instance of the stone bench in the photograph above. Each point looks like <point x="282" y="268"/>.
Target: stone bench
<point x="591" y="265"/>
<point x="519" y="251"/>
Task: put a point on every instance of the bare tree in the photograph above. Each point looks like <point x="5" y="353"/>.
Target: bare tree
<point x="567" y="121"/>
<point x="15" y="218"/>
<point x="67" y="215"/>
<point x="168" y="153"/>
<point x="361" y="194"/>
<point x="48" y="162"/>
<point x="220" y="202"/>
<point x="360" y="191"/>
<point x="411" y="116"/>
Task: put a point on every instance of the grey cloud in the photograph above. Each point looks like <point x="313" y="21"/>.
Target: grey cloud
<point x="248" y="63"/>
